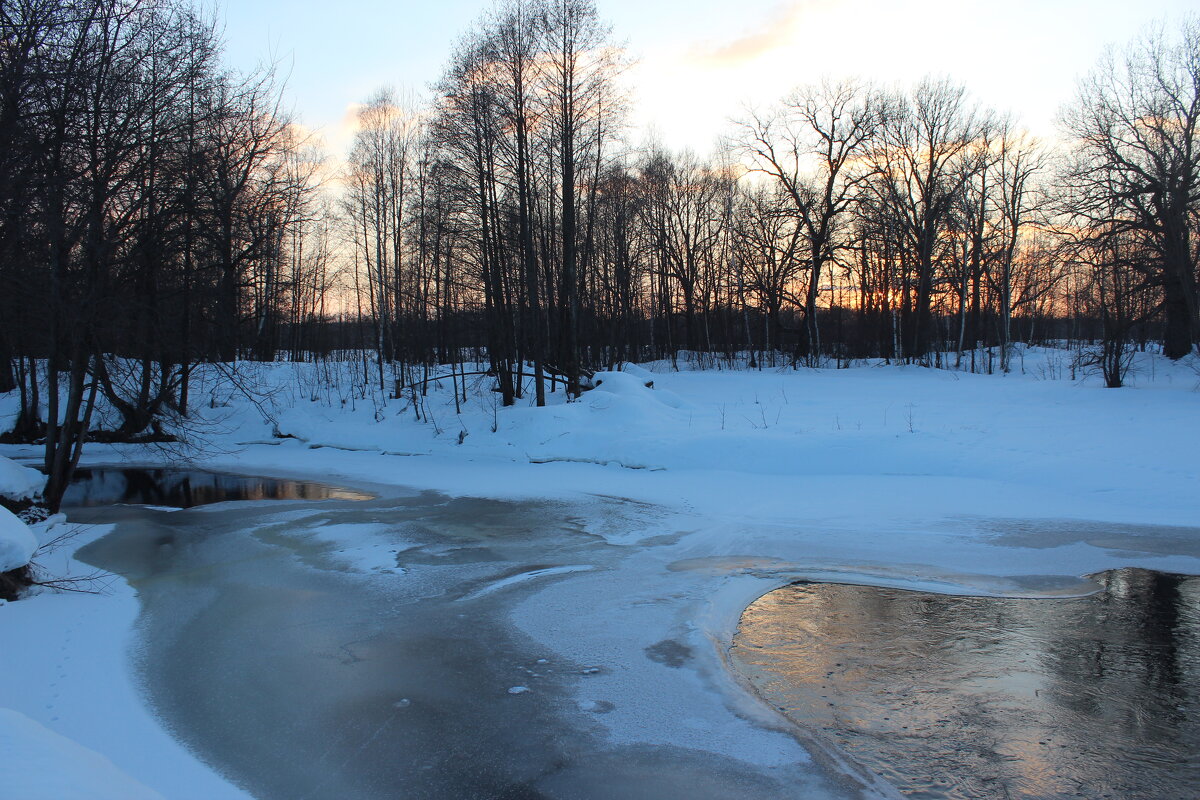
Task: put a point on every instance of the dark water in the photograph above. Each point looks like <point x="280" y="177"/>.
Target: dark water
<point x="102" y="486"/>
<point x="970" y="697"/>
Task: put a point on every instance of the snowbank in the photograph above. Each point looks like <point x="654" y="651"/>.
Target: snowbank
<point x="894" y="475"/>
<point x="38" y="764"/>
<point x="17" y="542"/>
<point x="73" y="674"/>
<point x="19" y="483"/>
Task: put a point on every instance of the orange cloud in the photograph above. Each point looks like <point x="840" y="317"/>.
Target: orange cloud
<point x="776" y="30"/>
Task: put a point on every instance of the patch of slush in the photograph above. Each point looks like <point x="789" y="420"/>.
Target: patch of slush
<point x="370" y="547"/>
<point x="524" y="576"/>
<point x="652" y="702"/>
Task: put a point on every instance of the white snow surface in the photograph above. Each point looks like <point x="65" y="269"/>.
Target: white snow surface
<point x="17" y="542"/>
<point x="740" y="481"/>
<point x="72" y="675"/>
<point x="18" y="482"/>
<point x="38" y="764"/>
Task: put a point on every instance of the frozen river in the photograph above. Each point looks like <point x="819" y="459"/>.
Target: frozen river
<point x="412" y="644"/>
<point x="367" y="649"/>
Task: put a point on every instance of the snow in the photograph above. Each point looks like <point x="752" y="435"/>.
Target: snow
<point x="73" y="674"/>
<point x="17" y="542"/>
<point x="18" y="482"/>
<point x="39" y="764"/>
<point x="1037" y="432"/>
<point x="522" y="577"/>
<point x="360" y="548"/>
<point x="708" y="489"/>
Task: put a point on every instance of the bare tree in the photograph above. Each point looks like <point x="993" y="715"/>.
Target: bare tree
<point x="1019" y="160"/>
<point x="919" y="176"/>
<point x="579" y="66"/>
<point x="380" y="164"/>
<point x="813" y="145"/>
<point x="516" y="38"/>
<point x="768" y="240"/>
<point x="1135" y="171"/>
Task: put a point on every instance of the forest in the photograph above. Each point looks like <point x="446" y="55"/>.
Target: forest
<point x="159" y="211"/>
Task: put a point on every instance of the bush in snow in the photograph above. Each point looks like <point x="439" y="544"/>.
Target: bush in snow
<point x="17" y="544"/>
<point x="20" y="490"/>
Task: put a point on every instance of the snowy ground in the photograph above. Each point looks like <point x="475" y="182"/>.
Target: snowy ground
<point x="730" y="484"/>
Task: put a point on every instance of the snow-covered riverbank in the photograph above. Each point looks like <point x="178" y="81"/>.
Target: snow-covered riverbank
<point x="727" y="485"/>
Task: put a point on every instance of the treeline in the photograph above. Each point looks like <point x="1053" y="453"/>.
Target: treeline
<point x="150" y="200"/>
<point x="848" y="221"/>
<point x="159" y="210"/>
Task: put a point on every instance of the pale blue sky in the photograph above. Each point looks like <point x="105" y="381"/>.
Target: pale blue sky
<point x="698" y="61"/>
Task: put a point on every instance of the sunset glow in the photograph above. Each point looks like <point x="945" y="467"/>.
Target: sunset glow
<point x="698" y="63"/>
<point x="567" y="329"/>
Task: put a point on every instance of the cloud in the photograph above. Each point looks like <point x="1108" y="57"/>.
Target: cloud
<point x="776" y="30"/>
<point x="341" y="136"/>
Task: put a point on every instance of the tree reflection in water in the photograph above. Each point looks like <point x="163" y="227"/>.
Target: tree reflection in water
<point x="186" y="488"/>
<point x="972" y="697"/>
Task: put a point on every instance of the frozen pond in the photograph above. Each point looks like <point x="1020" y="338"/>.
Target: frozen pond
<point x="972" y="697"/>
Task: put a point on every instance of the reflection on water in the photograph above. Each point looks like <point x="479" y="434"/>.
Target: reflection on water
<point x="186" y="488"/>
<point x="971" y="697"/>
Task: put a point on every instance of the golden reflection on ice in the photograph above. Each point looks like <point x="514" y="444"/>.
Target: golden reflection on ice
<point x="186" y="488"/>
<point x="981" y="697"/>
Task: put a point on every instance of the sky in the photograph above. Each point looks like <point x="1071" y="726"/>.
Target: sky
<point x="699" y="63"/>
